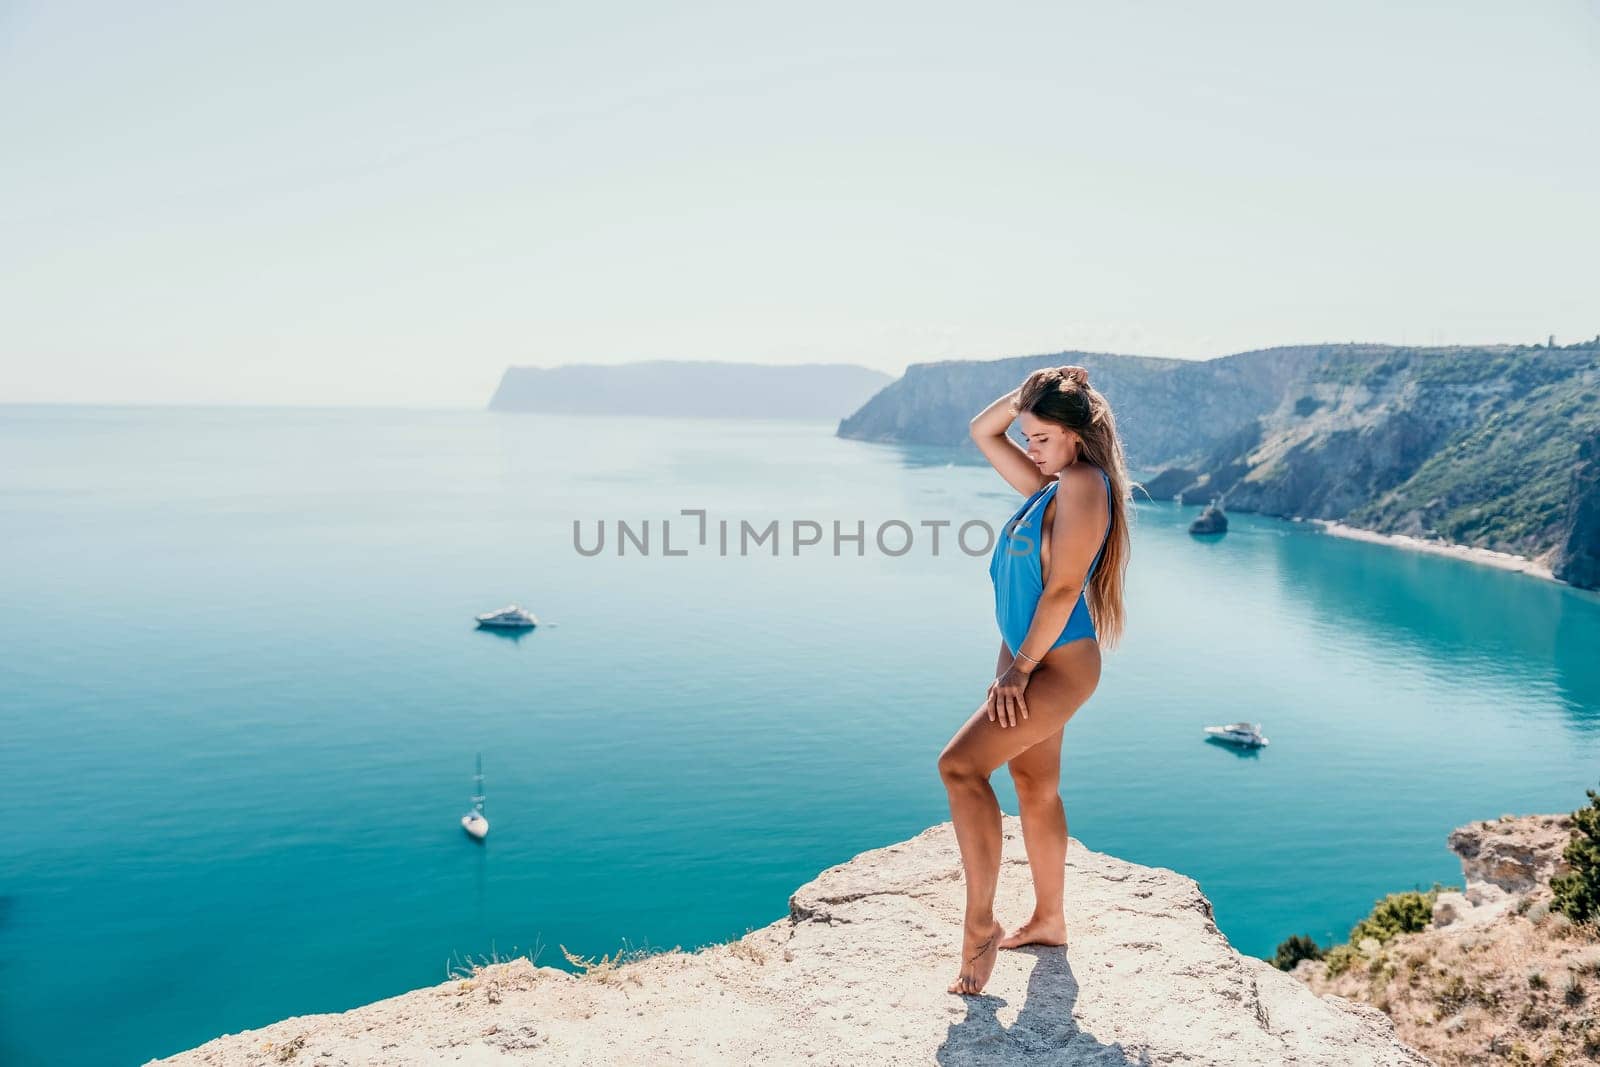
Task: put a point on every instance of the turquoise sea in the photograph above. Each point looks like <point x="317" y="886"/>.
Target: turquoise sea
<point x="241" y="695"/>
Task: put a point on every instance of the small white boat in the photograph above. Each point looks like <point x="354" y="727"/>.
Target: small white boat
<point x="1239" y="733"/>
<point x="510" y="617"/>
<point x="474" y="822"/>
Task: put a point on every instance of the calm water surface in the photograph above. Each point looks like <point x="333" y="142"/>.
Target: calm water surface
<point x="241" y="697"/>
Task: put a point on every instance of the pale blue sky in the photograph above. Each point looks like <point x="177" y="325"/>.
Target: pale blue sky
<point x="388" y="203"/>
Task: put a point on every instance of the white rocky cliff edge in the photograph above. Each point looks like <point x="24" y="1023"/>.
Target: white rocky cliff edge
<point x="857" y="973"/>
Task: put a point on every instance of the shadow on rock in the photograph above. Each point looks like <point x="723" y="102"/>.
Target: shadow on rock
<point x="1044" y="1031"/>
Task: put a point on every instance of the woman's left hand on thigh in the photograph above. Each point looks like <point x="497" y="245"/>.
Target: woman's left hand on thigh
<point x="1005" y="698"/>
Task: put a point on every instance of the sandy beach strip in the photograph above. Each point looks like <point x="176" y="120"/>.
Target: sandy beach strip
<point x="1505" y="561"/>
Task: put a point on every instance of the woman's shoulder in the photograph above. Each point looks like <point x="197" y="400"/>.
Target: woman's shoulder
<point x="1083" y="486"/>
<point x="1083" y="475"/>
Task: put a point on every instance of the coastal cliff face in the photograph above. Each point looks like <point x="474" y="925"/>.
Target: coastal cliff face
<point x="1578" y="560"/>
<point x="856" y="974"/>
<point x="1470" y="446"/>
<point x="1498" y="976"/>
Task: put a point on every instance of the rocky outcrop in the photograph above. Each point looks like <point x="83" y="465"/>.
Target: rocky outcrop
<point x="1210" y="521"/>
<point x="1498" y="976"/>
<point x="856" y="974"/>
<point x="690" y="388"/>
<point x="1502" y="862"/>
<point x="1512" y="855"/>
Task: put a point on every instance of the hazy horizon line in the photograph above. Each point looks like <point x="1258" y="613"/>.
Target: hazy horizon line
<point x="483" y="405"/>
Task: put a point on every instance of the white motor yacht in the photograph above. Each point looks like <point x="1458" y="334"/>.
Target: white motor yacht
<point x="1239" y="733"/>
<point x="510" y="617"/>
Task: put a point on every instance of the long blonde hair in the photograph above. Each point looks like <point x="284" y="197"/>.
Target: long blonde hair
<point x="1063" y="395"/>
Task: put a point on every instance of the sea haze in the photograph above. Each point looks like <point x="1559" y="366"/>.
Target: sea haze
<point x="241" y="696"/>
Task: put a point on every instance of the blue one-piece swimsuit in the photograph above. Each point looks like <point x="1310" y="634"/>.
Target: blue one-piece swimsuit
<point x="1018" y="572"/>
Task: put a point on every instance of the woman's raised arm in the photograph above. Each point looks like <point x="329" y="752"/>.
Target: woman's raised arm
<point x="988" y="429"/>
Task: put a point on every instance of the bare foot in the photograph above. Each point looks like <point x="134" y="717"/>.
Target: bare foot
<point x="979" y="950"/>
<point x="1038" y="931"/>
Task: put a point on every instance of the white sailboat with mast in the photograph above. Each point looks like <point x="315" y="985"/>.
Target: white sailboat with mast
<point x="474" y="822"/>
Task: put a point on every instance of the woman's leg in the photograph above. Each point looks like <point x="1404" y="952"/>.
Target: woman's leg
<point x="1056" y="689"/>
<point x="1037" y="776"/>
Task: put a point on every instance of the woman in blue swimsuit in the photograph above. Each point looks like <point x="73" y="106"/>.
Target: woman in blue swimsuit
<point x="1058" y="570"/>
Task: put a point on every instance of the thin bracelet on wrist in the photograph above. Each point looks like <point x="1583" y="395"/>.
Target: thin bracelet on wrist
<point x="1023" y="655"/>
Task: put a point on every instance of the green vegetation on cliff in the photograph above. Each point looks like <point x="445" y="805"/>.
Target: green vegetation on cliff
<point x="1395" y="914"/>
<point x="1503" y="479"/>
<point x="1577" y="893"/>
